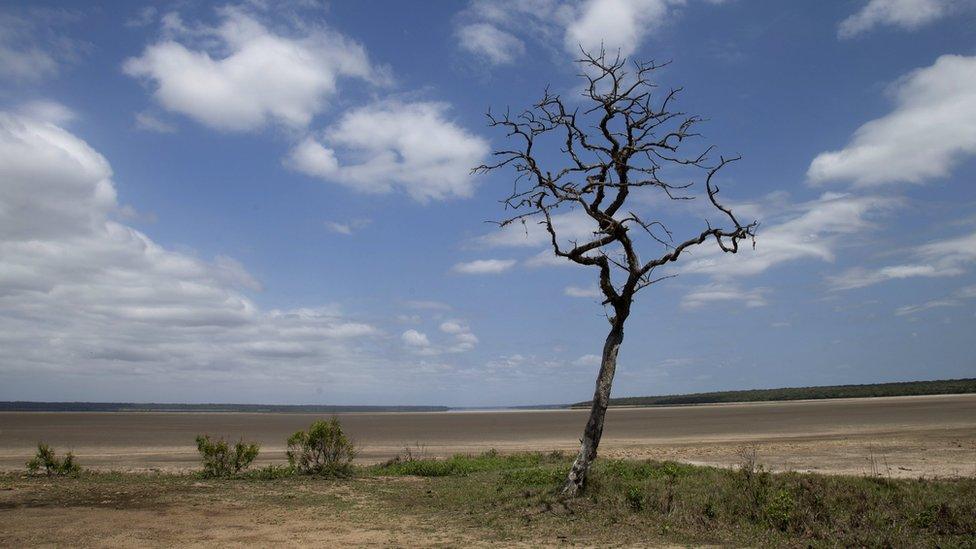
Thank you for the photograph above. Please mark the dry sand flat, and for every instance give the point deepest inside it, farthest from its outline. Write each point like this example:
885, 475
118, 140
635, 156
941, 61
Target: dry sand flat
898, 436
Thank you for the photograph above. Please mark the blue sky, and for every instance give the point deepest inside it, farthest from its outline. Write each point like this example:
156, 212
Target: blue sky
272, 203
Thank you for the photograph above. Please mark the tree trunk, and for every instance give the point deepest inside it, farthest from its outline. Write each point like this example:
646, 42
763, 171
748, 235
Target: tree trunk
601, 398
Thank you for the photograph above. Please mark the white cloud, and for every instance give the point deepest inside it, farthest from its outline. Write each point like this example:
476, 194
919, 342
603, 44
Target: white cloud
484, 266
569, 226
464, 340
931, 129
496, 29
391, 145
906, 14
615, 24
240, 75
413, 338
347, 228
807, 231
589, 292
339, 228
452, 327
461, 340
935, 259
724, 292
588, 360
83, 295
47, 111
496, 46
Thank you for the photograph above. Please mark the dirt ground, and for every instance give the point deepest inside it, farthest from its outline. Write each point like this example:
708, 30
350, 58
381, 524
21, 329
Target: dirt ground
921, 453
191, 513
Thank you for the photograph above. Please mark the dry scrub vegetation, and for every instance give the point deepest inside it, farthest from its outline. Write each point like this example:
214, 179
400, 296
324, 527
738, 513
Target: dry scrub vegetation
493, 499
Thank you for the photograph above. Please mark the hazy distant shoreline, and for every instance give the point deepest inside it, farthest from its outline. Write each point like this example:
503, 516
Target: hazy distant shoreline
904, 388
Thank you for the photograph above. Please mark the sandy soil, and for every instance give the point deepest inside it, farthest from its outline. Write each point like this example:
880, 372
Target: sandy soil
201, 514
897, 436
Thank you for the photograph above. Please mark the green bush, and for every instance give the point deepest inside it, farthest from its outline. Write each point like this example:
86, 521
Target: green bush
220, 461
53, 466
324, 449
636, 498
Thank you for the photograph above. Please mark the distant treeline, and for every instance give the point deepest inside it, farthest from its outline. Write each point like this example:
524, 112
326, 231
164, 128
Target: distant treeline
939, 387
21, 406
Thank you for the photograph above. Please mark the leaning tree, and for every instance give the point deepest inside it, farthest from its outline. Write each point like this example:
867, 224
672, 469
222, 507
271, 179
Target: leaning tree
621, 141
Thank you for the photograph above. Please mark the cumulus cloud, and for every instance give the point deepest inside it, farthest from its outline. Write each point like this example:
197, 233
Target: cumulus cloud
413, 338
931, 129
389, 145
941, 258
460, 339
492, 28
496, 46
241, 75
484, 266
463, 339
617, 25
452, 327
83, 295
906, 14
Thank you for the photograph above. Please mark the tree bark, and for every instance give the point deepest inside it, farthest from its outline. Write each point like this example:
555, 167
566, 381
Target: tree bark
576, 479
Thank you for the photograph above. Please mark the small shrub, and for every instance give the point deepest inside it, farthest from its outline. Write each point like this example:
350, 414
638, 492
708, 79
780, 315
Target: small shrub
220, 461
779, 510
636, 498
324, 449
756, 482
53, 466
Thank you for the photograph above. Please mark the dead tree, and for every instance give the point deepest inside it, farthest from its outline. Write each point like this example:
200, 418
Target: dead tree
624, 139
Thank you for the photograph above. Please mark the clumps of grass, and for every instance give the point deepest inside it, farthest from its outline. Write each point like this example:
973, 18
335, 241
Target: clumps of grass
463, 464
53, 466
271, 472
630, 501
220, 460
324, 449
752, 505
417, 452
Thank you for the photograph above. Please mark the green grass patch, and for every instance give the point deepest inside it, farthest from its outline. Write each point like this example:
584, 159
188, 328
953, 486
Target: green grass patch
463, 464
630, 501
